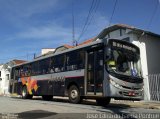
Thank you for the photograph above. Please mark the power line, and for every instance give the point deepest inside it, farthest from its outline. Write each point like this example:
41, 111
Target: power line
86, 19
113, 12
154, 12
90, 15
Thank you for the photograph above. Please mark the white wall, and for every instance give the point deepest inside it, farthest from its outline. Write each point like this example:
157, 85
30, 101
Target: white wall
153, 53
1, 80
44, 51
137, 40
4, 83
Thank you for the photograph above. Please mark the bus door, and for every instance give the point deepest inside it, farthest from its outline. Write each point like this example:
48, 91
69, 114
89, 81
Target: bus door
94, 72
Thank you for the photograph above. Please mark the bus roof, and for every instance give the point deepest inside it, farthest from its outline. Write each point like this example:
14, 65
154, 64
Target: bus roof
64, 51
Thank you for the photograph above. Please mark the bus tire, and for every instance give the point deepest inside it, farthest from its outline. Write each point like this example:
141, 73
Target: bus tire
25, 94
47, 97
103, 101
74, 95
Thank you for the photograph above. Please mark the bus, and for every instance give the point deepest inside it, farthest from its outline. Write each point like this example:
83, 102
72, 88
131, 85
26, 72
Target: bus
100, 70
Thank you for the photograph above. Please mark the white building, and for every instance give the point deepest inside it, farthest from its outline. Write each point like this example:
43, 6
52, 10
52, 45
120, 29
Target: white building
0, 79
47, 50
5, 75
149, 44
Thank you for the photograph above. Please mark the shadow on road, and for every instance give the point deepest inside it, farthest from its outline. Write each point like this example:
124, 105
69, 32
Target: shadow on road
35, 114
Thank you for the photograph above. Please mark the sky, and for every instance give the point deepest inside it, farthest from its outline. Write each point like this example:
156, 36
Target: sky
27, 26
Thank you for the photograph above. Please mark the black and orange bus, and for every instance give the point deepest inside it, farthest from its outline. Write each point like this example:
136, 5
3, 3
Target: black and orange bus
100, 70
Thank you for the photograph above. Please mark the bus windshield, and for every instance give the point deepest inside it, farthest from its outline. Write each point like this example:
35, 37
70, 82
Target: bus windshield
124, 60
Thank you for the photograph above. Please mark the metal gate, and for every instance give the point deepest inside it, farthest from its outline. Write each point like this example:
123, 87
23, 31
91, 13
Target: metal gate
154, 86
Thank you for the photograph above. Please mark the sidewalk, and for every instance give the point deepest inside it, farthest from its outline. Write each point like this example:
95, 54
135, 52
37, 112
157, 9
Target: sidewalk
139, 104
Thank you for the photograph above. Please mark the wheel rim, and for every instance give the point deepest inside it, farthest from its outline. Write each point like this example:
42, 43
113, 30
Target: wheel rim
24, 92
74, 94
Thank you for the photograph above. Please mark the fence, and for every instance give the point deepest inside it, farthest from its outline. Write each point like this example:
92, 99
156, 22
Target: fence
154, 87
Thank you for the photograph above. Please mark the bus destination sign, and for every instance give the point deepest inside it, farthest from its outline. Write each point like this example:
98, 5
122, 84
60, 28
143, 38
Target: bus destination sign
124, 46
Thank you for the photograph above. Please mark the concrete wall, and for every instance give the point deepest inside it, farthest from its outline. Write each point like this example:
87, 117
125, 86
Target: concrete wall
137, 40
4, 83
153, 53
45, 51
1, 80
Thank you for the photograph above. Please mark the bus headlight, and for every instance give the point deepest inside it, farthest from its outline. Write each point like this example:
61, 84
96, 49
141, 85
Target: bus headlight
115, 84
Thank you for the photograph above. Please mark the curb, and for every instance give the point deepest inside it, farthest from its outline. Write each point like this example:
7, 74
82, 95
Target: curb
145, 105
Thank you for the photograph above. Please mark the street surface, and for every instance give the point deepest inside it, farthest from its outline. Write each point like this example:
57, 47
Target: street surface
14, 107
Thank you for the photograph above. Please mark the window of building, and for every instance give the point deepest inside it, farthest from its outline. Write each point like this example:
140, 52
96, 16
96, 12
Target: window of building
122, 32
7, 76
115, 34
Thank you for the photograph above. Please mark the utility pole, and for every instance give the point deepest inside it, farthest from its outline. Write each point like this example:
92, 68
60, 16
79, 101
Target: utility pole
73, 31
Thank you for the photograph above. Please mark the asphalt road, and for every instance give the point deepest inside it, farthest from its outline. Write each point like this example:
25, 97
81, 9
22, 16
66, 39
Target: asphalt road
14, 108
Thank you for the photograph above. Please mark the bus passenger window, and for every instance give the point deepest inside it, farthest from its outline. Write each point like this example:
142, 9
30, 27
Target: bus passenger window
59, 63
75, 60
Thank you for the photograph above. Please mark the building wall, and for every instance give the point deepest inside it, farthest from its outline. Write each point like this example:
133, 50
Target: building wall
1, 79
153, 56
45, 51
150, 56
137, 40
4, 83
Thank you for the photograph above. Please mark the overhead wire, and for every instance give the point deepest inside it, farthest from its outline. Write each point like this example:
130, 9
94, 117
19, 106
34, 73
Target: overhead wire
92, 11
114, 8
153, 15
92, 17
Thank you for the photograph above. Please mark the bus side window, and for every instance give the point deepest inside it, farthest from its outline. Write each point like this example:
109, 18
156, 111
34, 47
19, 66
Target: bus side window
75, 60
71, 62
16, 73
35, 68
52, 65
81, 59
27, 69
59, 63
12, 73
21, 71
44, 66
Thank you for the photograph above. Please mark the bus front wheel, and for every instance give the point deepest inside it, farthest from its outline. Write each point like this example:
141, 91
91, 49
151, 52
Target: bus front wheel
25, 94
74, 94
103, 101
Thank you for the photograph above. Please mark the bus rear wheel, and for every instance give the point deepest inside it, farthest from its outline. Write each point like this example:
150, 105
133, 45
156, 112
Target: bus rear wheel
74, 95
25, 94
103, 101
